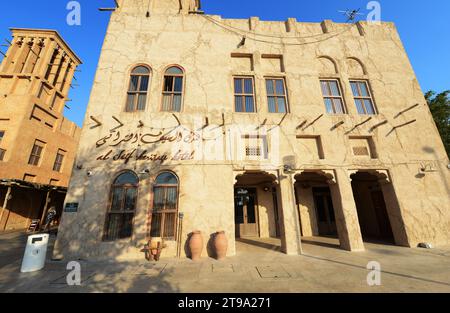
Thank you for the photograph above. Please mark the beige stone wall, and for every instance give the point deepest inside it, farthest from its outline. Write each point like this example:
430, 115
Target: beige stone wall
266, 214
203, 47
307, 211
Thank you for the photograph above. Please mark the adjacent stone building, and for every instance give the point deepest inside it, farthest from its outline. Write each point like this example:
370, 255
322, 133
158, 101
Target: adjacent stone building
256, 128
37, 143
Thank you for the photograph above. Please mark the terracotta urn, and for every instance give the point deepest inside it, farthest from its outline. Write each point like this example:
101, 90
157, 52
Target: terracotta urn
154, 242
154, 245
196, 245
221, 245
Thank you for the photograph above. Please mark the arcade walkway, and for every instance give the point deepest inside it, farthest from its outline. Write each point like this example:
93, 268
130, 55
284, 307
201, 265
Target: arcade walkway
258, 267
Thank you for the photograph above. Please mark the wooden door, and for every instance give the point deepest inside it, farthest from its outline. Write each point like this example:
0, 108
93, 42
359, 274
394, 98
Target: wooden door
245, 206
325, 212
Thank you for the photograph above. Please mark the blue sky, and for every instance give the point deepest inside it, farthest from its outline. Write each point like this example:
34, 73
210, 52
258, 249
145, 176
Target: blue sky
424, 28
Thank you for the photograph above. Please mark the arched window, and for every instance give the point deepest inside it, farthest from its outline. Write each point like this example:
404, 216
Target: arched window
165, 206
119, 219
137, 91
173, 89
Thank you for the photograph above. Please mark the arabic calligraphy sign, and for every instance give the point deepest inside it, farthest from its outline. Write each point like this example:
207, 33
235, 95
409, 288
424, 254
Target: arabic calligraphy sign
115, 140
181, 144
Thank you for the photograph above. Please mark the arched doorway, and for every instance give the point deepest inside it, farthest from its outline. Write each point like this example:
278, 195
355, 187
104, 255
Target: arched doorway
256, 207
316, 208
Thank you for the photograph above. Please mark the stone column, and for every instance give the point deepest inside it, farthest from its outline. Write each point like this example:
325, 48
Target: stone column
62, 72
142, 214
34, 56
8, 63
20, 54
69, 78
55, 67
4, 208
394, 213
290, 236
347, 222
44, 212
46, 54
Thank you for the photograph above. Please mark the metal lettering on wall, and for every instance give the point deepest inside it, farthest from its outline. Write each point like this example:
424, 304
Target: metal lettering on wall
142, 140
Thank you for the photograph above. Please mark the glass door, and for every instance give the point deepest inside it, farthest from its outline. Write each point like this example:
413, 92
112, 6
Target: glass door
245, 212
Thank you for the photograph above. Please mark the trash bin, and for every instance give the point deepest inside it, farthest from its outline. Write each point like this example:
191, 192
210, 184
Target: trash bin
35, 253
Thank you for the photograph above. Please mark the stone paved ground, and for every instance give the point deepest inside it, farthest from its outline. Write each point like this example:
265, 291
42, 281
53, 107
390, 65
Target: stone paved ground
258, 267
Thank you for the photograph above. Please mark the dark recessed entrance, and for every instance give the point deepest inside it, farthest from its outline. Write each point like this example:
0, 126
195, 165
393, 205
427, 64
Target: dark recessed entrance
316, 209
326, 221
372, 211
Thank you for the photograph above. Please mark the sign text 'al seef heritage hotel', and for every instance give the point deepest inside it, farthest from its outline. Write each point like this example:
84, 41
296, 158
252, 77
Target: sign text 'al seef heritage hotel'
260, 129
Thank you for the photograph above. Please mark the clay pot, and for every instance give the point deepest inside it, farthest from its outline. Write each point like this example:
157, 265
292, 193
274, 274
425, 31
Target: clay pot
220, 245
196, 245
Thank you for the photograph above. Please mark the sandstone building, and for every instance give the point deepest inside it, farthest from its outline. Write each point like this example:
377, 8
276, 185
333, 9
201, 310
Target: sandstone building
37, 143
259, 129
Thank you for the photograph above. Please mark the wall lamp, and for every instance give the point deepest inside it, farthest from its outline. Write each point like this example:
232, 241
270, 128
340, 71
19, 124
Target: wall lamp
288, 169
